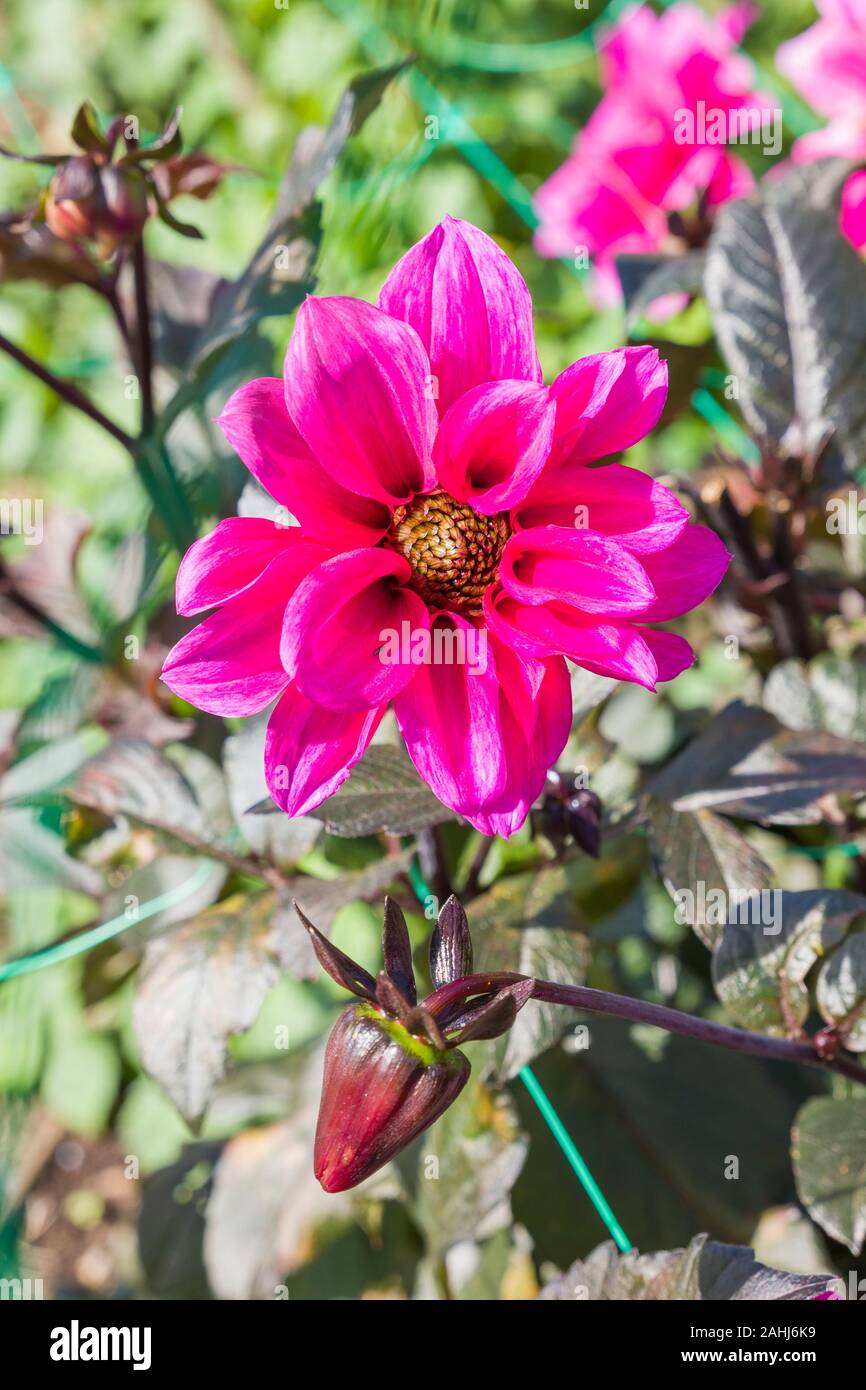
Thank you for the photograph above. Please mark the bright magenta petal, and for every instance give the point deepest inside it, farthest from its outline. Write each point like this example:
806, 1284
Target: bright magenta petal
853, 217
672, 653
535, 710
606, 403
470, 307
223, 564
608, 648
349, 630
357, 389
230, 663
616, 501
686, 573
256, 423
827, 63
309, 751
551, 564
494, 442
449, 718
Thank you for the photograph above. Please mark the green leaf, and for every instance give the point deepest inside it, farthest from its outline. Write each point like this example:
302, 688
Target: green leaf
699, 854
200, 983
528, 923
841, 990
50, 767
788, 296
132, 778
80, 1082
706, 1270
760, 966
32, 856
828, 693
746, 764
383, 793
828, 1149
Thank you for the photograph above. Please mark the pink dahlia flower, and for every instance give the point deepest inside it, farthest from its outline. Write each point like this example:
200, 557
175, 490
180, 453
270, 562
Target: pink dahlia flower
634, 162
827, 65
445, 497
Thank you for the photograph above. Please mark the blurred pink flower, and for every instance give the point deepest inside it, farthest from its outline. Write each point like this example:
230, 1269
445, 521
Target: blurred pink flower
442, 492
827, 65
633, 163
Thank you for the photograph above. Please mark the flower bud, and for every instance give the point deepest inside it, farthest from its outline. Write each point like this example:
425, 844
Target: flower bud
96, 202
382, 1087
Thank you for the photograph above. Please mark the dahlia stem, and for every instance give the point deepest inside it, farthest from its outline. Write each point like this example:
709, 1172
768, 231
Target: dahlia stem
431, 857
600, 1001
143, 335
66, 391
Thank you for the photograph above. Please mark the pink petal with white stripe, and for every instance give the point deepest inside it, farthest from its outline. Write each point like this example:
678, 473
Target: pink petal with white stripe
470, 307
357, 389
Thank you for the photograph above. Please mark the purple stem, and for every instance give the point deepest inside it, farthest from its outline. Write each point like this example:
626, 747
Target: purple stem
599, 1001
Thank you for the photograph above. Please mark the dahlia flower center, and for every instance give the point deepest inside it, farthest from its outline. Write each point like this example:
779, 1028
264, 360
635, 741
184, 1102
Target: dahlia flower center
454, 551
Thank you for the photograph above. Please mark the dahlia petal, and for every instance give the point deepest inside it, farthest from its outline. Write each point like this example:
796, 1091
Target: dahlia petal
672, 653
230, 663
310, 751
552, 564
620, 502
853, 217
608, 648
494, 442
450, 721
606, 403
535, 709
470, 307
256, 424
223, 564
579, 210
357, 388
333, 643
827, 63
686, 573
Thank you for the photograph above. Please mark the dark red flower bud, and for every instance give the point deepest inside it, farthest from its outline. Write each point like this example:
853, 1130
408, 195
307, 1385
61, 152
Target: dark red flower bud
391, 1065
102, 203
569, 810
382, 1087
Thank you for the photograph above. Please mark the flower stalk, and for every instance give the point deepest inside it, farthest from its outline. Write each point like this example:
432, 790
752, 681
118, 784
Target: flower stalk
656, 1015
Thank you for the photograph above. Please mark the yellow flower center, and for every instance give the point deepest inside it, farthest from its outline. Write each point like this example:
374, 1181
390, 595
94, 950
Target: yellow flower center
454, 551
